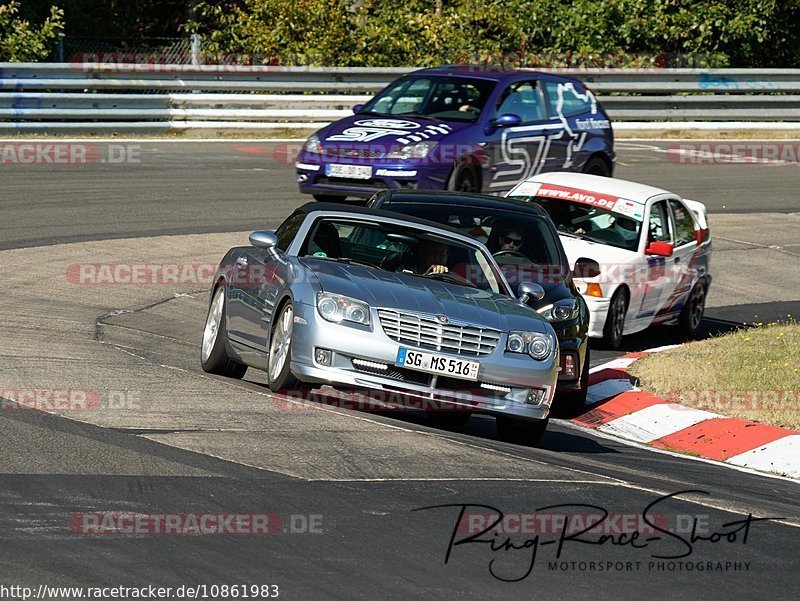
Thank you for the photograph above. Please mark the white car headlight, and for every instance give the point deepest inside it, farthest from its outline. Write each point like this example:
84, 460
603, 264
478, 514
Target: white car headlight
537, 345
420, 150
562, 310
313, 144
337, 308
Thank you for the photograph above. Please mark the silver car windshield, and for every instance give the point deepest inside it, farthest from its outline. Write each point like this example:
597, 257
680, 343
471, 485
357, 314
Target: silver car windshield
401, 249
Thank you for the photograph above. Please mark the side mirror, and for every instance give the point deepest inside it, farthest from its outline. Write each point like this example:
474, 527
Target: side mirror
508, 120
357, 108
660, 249
528, 290
586, 268
264, 239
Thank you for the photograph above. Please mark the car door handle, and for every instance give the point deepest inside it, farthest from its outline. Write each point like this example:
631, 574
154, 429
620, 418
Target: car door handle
241, 261
677, 259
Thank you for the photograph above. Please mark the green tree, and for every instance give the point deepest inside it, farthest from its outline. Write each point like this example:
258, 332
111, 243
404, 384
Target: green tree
738, 33
22, 42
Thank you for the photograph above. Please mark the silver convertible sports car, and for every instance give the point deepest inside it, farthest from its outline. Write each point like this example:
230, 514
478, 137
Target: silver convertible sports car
364, 299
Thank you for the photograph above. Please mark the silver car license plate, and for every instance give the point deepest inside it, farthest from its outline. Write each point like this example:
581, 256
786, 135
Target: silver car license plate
438, 364
349, 171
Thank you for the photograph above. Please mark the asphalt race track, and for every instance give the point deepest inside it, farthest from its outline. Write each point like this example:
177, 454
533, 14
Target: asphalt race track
190, 187
350, 493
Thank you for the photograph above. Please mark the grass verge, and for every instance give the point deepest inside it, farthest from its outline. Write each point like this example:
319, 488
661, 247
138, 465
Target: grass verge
750, 374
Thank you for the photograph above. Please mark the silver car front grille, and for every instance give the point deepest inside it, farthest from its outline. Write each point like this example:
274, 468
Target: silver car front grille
425, 331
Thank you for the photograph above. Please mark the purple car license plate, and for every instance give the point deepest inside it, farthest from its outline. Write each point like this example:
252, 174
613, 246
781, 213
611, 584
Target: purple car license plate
349, 171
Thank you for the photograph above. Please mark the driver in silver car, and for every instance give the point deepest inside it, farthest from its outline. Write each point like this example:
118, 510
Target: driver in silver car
432, 257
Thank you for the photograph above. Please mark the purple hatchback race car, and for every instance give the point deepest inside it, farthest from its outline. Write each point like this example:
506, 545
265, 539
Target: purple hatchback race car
459, 127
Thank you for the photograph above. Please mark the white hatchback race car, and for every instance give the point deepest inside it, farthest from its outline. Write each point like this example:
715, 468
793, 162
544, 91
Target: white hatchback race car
652, 248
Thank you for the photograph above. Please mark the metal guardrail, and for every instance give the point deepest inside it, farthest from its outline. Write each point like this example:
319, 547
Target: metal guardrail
106, 96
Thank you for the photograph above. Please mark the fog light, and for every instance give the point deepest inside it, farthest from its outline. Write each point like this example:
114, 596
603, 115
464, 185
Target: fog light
323, 356
568, 368
535, 396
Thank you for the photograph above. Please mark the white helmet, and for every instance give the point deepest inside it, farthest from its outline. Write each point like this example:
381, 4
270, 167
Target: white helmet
627, 228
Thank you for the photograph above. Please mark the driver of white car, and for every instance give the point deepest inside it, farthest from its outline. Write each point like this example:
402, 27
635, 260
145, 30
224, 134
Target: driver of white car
626, 228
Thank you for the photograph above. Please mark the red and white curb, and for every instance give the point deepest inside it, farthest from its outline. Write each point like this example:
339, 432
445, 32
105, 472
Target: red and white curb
618, 408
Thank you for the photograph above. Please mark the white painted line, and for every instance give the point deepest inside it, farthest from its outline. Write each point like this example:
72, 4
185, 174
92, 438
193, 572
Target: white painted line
659, 349
780, 456
703, 140
621, 363
607, 389
467, 479
168, 140
653, 422
704, 125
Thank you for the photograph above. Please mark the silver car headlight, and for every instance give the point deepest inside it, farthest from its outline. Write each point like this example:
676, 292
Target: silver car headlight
537, 345
420, 150
313, 144
337, 308
562, 310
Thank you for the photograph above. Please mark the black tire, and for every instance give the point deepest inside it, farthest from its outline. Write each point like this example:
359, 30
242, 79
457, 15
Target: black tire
448, 419
280, 348
692, 315
615, 320
597, 166
217, 360
329, 198
464, 179
521, 431
571, 402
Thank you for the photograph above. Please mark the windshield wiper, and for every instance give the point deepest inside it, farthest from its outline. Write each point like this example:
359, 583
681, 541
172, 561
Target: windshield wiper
432, 118
450, 279
346, 261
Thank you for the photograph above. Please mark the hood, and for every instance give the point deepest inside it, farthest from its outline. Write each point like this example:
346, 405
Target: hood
364, 130
604, 254
386, 289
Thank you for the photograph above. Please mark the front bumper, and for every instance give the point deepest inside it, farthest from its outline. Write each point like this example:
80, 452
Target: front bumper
598, 311
573, 342
386, 175
522, 387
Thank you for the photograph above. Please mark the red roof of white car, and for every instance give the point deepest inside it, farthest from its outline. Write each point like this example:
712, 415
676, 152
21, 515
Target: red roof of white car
609, 186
